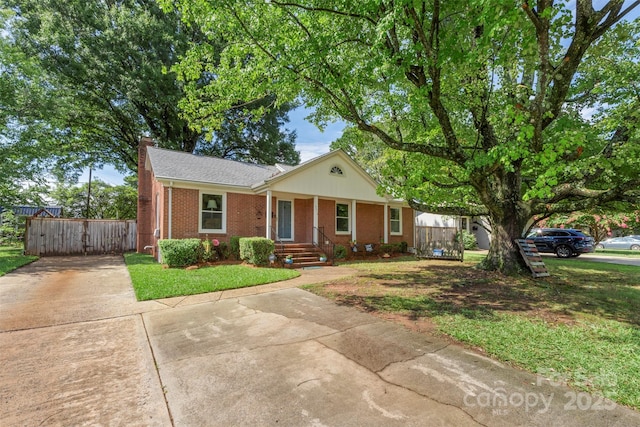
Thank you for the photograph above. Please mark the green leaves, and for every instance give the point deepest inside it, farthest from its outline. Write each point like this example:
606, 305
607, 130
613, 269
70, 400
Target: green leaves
486, 102
105, 201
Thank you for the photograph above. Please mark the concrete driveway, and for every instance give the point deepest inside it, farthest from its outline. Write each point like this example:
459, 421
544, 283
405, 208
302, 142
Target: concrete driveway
77, 349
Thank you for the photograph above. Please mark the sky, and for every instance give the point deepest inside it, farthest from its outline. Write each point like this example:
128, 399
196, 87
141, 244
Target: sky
310, 142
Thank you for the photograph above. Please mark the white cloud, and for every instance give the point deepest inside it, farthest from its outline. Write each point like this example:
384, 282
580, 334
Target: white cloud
311, 141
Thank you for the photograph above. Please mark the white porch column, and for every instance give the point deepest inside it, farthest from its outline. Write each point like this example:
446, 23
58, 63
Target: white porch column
268, 215
353, 220
315, 220
386, 223
170, 215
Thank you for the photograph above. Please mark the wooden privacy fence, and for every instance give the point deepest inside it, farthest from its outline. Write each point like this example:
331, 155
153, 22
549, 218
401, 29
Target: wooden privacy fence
439, 243
57, 236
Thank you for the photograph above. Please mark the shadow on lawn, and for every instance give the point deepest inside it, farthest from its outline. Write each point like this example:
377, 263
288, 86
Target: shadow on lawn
413, 307
606, 300
448, 289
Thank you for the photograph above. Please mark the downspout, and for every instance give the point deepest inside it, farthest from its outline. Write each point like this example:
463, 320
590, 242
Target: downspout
170, 208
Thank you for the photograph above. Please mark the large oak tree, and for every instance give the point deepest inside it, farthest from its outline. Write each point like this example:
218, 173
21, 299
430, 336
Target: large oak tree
82, 81
505, 109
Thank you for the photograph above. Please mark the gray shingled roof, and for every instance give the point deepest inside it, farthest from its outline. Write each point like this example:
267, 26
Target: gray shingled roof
53, 211
176, 165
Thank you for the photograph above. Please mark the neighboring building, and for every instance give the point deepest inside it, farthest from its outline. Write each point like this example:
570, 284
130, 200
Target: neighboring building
182, 195
478, 226
481, 228
33, 211
13, 229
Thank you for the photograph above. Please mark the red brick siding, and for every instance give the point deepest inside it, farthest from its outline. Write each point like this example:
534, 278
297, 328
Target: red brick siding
184, 213
303, 220
407, 228
370, 223
245, 215
145, 208
327, 220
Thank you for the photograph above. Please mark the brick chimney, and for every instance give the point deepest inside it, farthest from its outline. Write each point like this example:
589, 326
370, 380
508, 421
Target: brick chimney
145, 198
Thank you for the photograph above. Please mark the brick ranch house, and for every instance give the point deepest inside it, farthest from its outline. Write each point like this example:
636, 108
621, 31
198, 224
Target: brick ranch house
329, 199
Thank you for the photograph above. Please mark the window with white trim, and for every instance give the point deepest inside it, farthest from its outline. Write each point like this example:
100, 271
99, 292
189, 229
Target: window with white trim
343, 221
395, 219
212, 212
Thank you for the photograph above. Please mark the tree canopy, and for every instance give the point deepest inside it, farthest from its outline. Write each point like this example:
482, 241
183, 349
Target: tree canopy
104, 201
256, 138
504, 109
82, 81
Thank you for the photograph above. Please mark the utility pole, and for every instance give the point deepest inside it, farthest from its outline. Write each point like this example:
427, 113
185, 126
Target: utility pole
88, 195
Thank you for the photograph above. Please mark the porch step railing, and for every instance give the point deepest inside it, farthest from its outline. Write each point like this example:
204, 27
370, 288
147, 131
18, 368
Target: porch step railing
276, 239
324, 243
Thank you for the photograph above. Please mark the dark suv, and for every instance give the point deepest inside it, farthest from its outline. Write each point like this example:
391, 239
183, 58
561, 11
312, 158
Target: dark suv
564, 242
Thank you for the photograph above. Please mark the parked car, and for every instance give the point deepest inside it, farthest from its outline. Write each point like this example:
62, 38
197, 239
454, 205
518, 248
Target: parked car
628, 242
564, 242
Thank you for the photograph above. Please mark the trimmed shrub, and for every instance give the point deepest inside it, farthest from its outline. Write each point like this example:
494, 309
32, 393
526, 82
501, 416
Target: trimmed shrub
387, 248
469, 240
404, 246
234, 244
256, 250
180, 252
223, 251
339, 252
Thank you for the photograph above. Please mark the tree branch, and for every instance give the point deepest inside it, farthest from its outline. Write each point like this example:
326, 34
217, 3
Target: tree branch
321, 9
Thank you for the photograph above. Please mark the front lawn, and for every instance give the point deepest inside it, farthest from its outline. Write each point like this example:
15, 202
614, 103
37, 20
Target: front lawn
152, 281
580, 326
11, 258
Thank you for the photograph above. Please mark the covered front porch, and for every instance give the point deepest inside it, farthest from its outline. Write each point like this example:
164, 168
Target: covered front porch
296, 219
319, 224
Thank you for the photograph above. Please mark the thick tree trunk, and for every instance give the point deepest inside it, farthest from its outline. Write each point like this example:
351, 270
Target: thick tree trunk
509, 216
504, 255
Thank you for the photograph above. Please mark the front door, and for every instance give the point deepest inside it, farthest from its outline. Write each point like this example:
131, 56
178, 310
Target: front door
285, 220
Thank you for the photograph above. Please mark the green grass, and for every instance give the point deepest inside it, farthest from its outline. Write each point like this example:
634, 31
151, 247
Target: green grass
474, 256
152, 281
618, 252
596, 355
581, 326
11, 258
